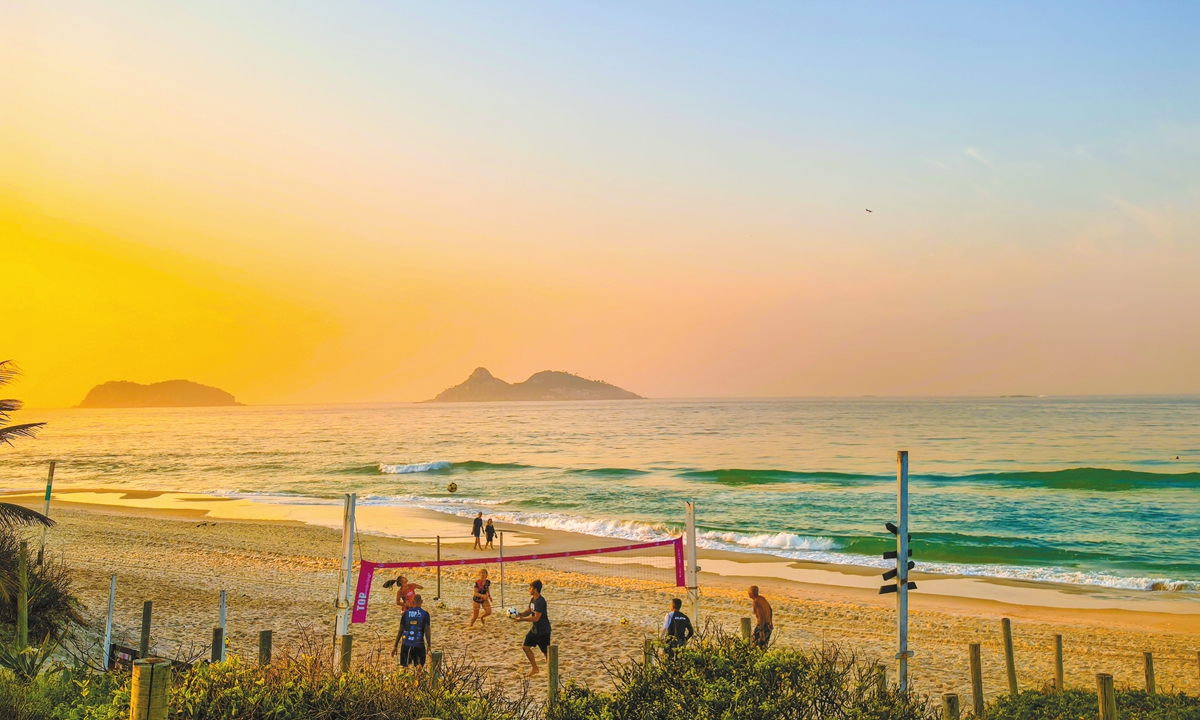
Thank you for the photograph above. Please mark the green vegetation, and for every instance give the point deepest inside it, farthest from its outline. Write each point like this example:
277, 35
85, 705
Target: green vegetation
1080, 704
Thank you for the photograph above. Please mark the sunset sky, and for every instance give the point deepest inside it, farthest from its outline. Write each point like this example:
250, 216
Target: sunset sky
346, 203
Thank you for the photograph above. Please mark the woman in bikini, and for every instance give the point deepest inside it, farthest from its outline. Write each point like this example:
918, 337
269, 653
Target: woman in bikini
405, 591
481, 597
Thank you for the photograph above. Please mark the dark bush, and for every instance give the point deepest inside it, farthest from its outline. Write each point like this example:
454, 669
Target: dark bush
1079, 704
52, 606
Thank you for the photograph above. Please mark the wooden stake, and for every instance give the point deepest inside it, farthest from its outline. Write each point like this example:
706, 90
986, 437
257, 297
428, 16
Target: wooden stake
976, 680
221, 622
264, 647
1058, 664
1148, 666
435, 668
1107, 696
23, 597
881, 679
112, 597
746, 629
144, 643
148, 693
218, 644
1010, 664
347, 651
46, 512
552, 661
647, 652
950, 709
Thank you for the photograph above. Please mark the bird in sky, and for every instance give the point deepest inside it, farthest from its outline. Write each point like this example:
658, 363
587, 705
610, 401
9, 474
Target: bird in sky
870, 210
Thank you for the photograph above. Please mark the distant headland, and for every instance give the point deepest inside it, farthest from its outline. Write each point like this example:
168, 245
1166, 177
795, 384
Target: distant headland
171, 393
482, 386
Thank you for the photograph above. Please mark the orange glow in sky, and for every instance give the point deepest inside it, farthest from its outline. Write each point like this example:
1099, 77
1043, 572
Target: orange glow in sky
365, 204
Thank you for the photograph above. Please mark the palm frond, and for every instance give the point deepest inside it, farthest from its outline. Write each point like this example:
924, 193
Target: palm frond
12, 515
26, 430
7, 407
8, 371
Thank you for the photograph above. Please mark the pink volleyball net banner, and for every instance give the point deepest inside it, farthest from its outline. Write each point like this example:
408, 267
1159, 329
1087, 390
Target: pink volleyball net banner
366, 572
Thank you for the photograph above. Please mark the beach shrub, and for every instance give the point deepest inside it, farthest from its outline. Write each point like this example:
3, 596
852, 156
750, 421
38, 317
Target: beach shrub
52, 604
1078, 704
718, 677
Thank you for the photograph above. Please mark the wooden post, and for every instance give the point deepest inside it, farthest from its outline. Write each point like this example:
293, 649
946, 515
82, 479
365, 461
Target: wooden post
746, 629
976, 680
950, 709
23, 597
1148, 665
435, 668
221, 622
345, 592
46, 512
144, 643
1010, 663
218, 644
1107, 696
552, 661
264, 647
347, 652
148, 694
1058, 664
647, 652
881, 679
439, 568
691, 571
107, 648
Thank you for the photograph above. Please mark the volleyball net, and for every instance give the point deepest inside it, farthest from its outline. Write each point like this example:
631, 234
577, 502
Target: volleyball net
648, 565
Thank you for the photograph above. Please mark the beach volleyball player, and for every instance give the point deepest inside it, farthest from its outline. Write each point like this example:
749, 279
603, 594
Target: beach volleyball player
538, 635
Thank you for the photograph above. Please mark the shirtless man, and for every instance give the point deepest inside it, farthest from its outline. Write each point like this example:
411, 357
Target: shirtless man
763, 619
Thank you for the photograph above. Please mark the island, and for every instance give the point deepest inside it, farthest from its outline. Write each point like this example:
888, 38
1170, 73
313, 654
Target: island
171, 393
482, 386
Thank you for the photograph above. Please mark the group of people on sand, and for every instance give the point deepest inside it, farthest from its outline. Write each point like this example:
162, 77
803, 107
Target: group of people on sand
414, 636
480, 530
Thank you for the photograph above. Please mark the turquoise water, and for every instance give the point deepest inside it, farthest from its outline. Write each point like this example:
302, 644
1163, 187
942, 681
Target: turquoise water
1078, 490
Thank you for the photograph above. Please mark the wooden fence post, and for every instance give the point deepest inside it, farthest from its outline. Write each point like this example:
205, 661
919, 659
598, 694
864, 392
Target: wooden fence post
264, 647
552, 660
881, 679
1058, 664
746, 629
435, 668
647, 652
347, 651
148, 694
1148, 666
1107, 696
1010, 663
218, 644
976, 680
144, 644
950, 709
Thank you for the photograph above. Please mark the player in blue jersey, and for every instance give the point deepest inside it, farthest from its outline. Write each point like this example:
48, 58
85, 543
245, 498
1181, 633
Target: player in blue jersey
414, 637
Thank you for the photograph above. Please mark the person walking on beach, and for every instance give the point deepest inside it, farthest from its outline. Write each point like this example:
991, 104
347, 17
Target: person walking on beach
405, 591
481, 598
490, 531
477, 530
538, 635
677, 628
763, 619
414, 636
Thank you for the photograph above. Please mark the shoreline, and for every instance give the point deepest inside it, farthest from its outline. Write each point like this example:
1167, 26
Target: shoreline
181, 550
423, 526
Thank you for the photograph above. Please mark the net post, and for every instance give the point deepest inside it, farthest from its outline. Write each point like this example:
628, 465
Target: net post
345, 588
46, 512
112, 598
439, 568
502, 568
902, 568
692, 571
221, 623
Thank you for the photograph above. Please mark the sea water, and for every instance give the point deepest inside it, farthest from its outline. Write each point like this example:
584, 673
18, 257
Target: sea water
1095, 491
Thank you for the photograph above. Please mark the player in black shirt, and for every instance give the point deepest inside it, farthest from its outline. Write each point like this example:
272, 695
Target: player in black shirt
477, 530
677, 628
538, 635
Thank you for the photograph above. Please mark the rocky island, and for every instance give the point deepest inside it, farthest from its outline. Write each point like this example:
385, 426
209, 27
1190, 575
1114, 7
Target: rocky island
482, 386
171, 393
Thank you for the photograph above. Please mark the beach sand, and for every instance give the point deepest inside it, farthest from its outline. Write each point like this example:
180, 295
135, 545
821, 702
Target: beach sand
279, 565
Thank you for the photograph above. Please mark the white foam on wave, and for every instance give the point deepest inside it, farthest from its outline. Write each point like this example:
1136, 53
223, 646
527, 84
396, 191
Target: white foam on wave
768, 541
414, 467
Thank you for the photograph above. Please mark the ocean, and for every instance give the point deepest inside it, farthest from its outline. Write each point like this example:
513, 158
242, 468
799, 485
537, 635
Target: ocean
1090, 491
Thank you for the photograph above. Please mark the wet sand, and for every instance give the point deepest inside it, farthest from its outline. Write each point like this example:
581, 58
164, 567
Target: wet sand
279, 565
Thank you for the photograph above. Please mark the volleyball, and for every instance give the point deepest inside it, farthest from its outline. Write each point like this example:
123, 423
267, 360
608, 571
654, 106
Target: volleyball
452, 487
624, 621
513, 613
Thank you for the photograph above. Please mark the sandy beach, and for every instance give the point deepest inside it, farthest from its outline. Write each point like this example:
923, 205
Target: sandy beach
278, 564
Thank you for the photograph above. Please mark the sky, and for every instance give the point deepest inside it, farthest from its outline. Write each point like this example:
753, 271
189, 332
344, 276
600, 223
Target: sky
362, 202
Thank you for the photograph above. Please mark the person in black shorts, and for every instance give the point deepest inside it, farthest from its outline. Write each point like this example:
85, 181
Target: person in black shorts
414, 637
490, 531
538, 635
477, 530
677, 628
